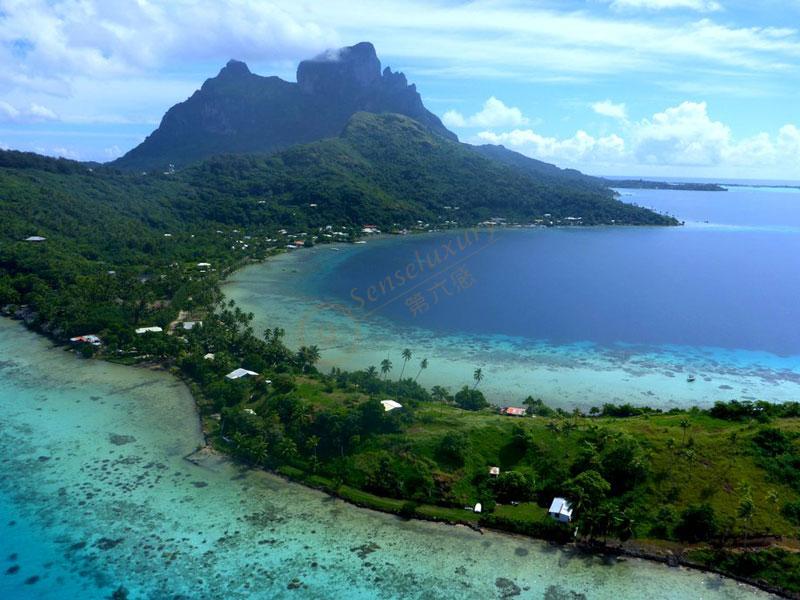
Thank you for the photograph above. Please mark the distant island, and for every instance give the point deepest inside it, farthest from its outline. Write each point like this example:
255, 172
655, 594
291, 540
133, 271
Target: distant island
645, 184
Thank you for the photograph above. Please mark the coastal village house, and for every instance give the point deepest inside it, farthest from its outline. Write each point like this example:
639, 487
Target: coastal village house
239, 373
87, 339
512, 411
560, 510
142, 330
389, 405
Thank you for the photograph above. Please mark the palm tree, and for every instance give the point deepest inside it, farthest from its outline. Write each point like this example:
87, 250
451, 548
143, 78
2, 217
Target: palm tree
313, 355
386, 366
406, 354
307, 356
440, 394
553, 426
747, 508
684, 425
422, 366
477, 376
372, 371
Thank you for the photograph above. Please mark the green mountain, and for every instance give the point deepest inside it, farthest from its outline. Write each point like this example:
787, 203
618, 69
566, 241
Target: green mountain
390, 170
240, 112
537, 168
386, 169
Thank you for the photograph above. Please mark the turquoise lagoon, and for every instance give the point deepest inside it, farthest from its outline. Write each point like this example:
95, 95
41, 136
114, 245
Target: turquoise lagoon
577, 317
95, 492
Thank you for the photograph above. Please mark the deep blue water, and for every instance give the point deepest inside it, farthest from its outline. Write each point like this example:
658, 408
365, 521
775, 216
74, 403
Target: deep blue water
728, 279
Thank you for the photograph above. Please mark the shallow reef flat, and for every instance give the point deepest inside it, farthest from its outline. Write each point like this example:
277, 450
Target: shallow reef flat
293, 291
95, 493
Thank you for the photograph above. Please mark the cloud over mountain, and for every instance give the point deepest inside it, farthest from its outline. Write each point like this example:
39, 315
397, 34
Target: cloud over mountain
684, 135
493, 114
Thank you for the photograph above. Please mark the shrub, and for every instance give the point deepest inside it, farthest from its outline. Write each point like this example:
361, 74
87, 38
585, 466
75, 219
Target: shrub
772, 442
283, 384
791, 510
470, 399
452, 449
698, 523
512, 485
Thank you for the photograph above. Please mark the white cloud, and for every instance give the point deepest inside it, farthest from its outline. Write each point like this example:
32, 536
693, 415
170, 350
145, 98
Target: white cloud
526, 37
493, 114
580, 148
32, 114
61, 39
697, 5
8, 112
112, 152
608, 109
42, 113
451, 118
64, 152
66, 38
682, 136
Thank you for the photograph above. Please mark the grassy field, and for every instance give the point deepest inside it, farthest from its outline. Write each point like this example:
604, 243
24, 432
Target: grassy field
715, 489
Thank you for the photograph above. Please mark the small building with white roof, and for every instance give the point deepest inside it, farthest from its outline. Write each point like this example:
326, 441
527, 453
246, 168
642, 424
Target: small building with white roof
239, 373
389, 405
87, 339
560, 510
154, 329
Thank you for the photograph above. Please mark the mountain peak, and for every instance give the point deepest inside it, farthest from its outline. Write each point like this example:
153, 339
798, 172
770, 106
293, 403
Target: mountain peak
358, 65
239, 112
234, 68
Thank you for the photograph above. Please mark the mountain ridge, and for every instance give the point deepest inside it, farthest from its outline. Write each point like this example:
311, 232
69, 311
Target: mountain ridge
241, 112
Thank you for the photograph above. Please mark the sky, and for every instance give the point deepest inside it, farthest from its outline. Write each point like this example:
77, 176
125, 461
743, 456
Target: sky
669, 88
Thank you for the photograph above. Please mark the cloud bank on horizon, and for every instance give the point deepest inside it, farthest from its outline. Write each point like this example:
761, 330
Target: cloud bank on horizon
634, 87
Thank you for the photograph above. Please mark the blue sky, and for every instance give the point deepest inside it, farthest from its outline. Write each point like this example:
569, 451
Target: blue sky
694, 88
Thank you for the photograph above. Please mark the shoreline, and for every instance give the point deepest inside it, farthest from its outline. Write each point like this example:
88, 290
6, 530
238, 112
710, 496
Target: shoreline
566, 375
669, 559
643, 551
640, 551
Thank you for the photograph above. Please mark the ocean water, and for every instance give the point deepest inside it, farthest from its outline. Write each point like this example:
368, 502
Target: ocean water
576, 316
95, 493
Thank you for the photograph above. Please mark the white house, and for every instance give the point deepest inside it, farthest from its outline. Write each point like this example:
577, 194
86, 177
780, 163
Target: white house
87, 339
250, 411
142, 330
478, 508
35, 238
494, 471
209, 356
390, 405
189, 325
560, 510
239, 373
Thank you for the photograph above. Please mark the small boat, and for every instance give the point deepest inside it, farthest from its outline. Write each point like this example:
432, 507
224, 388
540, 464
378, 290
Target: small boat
691, 378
